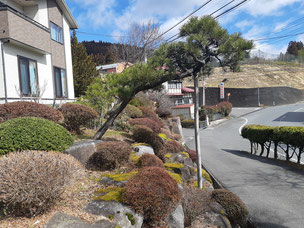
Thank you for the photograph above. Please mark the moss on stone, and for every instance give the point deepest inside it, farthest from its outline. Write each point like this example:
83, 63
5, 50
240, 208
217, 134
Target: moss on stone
134, 157
140, 144
185, 154
172, 166
111, 217
176, 177
206, 176
131, 218
163, 136
111, 194
121, 176
168, 155
118, 226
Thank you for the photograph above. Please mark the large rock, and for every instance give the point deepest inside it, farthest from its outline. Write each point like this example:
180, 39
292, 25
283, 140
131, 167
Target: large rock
117, 212
62, 220
210, 220
140, 150
176, 219
83, 150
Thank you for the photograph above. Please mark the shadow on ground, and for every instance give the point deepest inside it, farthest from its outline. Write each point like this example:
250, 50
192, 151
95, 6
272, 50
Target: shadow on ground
291, 117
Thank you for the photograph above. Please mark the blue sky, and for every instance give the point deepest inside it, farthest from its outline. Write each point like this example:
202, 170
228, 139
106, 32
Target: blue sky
256, 19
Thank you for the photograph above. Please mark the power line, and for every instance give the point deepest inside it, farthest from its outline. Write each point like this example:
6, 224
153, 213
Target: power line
183, 19
220, 15
222, 7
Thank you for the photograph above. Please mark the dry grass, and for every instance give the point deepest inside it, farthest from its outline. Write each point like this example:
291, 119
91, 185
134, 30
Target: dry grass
260, 75
71, 202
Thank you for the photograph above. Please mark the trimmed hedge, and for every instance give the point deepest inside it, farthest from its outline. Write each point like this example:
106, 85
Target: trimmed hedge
149, 160
148, 122
266, 136
188, 123
146, 135
109, 155
224, 108
31, 133
154, 193
235, 209
163, 112
77, 115
29, 109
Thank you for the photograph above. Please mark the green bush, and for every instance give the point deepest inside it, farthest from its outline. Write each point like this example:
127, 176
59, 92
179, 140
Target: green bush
137, 102
154, 193
235, 209
132, 111
31, 133
188, 123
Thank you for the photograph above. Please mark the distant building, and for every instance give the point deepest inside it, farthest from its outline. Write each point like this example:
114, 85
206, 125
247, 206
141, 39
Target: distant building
113, 68
182, 98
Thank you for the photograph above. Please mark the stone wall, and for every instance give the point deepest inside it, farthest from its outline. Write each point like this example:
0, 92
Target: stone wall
249, 97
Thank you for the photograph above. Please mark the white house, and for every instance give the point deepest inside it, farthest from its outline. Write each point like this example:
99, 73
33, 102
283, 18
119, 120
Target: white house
181, 97
35, 51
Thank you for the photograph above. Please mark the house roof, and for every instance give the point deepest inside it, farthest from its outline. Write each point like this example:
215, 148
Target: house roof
67, 13
183, 106
175, 94
187, 90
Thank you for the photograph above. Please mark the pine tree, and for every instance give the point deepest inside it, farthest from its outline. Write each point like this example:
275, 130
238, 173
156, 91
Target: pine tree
84, 69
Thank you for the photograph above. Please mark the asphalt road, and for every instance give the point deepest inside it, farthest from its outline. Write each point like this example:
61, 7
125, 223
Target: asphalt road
273, 193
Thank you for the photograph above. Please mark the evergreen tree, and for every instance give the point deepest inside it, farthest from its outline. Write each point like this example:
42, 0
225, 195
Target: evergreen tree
84, 69
294, 47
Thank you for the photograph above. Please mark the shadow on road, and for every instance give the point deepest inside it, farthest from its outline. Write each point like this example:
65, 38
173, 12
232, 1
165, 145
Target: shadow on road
291, 117
269, 161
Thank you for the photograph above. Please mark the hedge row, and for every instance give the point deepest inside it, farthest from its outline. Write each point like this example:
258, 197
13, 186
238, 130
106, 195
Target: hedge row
224, 108
289, 139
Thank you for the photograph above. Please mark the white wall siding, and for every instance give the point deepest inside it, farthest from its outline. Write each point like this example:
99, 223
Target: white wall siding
2, 94
12, 71
68, 58
43, 17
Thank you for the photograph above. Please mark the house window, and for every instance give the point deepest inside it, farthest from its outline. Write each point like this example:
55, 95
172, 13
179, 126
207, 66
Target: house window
60, 82
28, 77
56, 33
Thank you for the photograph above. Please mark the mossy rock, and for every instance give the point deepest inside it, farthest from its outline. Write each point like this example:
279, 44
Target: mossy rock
121, 176
109, 194
176, 177
163, 136
185, 154
168, 155
133, 157
205, 175
172, 166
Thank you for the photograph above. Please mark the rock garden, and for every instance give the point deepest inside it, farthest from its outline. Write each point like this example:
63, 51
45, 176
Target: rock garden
54, 175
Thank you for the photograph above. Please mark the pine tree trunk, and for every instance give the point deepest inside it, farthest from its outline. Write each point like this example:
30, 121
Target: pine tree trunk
113, 115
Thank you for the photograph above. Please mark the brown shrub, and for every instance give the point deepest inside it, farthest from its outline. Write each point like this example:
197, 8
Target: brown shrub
173, 146
163, 112
77, 115
148, 122
152, 192
167, 133
149, 113
192, 155
148, 160
31, 181
195, 202
235, 209
109, 155
28, 109
146, 135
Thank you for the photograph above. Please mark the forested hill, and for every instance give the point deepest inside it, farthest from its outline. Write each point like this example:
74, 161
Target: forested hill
102, 52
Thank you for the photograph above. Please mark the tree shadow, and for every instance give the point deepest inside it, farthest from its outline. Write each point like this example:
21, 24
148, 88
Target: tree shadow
291, 117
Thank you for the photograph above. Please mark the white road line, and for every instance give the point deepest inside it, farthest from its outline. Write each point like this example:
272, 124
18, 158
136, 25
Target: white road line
246, 121
299, 109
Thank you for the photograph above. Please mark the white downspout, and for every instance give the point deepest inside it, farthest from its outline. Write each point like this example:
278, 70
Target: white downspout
3, 67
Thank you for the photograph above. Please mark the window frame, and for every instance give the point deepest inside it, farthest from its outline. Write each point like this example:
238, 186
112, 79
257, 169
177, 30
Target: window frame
28, 80
58, 28
61, 95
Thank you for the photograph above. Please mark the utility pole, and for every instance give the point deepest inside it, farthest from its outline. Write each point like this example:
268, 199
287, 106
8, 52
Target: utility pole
197, 138
204, 90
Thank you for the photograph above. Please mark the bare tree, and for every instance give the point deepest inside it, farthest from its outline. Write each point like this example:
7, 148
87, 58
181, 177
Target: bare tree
139, 43
37, 93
